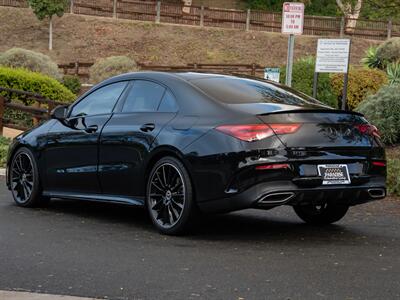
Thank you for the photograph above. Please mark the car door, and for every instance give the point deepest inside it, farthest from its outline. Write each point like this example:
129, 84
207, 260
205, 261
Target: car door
129, 135
72, 145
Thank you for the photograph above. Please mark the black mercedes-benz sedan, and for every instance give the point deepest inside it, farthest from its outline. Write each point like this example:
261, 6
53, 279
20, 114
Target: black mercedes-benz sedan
183, 143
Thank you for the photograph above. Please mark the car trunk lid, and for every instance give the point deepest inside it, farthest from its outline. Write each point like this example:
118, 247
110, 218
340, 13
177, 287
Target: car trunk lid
323, 129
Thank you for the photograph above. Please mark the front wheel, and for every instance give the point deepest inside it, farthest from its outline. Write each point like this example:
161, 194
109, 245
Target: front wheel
24, 179
321, 214
169, 197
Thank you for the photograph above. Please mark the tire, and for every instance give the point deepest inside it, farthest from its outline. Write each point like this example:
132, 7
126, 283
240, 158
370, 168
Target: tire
321, 214
25, 179
169, 197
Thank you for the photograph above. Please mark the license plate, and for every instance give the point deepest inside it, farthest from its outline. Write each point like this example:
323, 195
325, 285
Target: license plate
334, 174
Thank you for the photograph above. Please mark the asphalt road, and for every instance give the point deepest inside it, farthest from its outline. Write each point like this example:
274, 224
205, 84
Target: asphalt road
99, 250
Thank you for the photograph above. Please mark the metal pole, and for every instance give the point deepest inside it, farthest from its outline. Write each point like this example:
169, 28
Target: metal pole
346, 82
202, 16
158, 15
389, 29
71, 7
2, 108
344, 95
289, 64
342, 24
315, 85
115, 9
248, 20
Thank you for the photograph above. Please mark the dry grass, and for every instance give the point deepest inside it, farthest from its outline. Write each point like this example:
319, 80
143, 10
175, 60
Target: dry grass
88, 38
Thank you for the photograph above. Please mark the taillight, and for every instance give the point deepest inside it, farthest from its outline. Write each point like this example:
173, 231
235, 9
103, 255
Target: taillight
256, 132
379, 163
368, 129
273, 167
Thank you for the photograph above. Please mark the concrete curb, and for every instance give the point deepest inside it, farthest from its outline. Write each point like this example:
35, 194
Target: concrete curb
5, 295
2, 172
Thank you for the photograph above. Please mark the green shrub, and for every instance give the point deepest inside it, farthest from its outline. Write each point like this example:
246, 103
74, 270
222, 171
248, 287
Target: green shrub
4, 143
383, 110
393, 175
28, 81
371, 59
389, 51
393, 73
302, 80
72, 83
30, 60
111, 66
24, 80
362, 82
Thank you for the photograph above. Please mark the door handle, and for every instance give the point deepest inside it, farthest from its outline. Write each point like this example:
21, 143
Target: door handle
147, 127
91, 129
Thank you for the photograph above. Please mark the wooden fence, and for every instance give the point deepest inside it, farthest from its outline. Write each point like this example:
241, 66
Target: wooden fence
81, 69
13, 100
162, 12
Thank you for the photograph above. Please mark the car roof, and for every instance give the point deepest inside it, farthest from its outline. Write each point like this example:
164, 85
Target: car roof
159, 75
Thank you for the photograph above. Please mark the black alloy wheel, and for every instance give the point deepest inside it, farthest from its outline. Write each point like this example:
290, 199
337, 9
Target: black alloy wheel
24, 179
169, 196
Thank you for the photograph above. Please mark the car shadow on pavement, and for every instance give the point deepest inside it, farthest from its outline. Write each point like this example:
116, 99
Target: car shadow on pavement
278, 225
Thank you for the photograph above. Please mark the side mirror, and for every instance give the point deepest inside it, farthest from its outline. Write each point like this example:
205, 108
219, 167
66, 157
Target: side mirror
59, 113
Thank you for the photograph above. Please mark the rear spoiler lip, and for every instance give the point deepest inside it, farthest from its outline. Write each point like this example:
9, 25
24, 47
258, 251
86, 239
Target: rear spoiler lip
314, 110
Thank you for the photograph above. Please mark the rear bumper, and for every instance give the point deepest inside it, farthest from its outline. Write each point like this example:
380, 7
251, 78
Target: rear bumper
275, 193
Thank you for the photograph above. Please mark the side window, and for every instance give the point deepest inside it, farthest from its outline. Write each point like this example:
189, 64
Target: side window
168, 103
143, 96
101, 101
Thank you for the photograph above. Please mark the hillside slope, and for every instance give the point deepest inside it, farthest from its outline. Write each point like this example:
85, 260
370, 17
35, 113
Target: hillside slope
88, 38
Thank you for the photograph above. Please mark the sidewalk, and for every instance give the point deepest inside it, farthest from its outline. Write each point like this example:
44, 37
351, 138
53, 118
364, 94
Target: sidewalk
5, 295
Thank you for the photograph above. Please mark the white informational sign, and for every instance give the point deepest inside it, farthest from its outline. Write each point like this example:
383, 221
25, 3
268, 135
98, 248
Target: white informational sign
272, 74
293, 18
333, 56
186, 7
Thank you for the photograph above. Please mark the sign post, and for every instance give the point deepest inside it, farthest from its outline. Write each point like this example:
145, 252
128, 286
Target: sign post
333, 56
292, 24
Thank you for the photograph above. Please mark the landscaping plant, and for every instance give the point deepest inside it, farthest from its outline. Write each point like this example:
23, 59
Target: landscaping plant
20, 79
30, 60
362, 83
72, 83
388, 52
302, 80
383, 110
393, 73
4, 143
111, 66
371, 59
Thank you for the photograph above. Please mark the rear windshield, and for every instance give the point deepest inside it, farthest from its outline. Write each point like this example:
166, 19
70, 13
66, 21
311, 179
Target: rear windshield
242, 90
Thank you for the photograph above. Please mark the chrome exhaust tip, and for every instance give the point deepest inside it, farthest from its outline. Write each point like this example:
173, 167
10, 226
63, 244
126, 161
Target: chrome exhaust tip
276, 198
377, 193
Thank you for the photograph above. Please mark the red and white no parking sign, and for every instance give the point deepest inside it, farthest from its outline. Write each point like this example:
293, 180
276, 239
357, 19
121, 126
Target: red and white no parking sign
293, 18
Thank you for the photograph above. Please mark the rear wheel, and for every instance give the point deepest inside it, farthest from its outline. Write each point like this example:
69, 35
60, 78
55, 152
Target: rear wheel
24, 179
321, 214
169, 197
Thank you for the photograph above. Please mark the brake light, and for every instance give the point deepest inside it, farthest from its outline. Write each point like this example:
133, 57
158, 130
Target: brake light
273, 167
379, 164
368, 129
256, 132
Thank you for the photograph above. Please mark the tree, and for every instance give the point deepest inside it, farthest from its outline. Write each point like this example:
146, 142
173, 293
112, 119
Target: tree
351, 12
47, 9
379, 9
